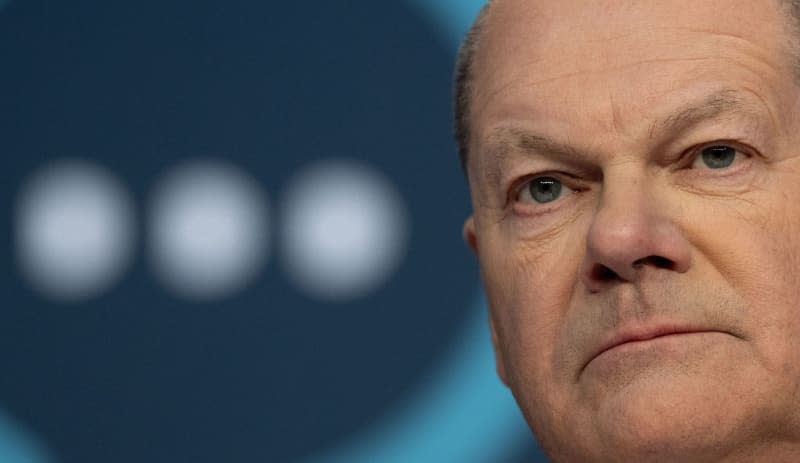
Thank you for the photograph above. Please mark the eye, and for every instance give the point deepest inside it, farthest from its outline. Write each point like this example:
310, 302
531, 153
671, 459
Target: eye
543, 190
716, 157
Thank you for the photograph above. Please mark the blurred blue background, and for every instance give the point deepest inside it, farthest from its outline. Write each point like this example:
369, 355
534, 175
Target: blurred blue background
232, 234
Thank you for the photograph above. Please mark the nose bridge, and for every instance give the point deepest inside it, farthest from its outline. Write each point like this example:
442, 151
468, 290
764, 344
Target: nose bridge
623, 208
631, 228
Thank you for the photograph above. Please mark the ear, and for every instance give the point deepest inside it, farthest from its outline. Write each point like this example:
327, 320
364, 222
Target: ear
500, 365
468, 233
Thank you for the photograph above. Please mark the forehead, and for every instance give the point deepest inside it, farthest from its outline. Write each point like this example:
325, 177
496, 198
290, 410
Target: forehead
616, 60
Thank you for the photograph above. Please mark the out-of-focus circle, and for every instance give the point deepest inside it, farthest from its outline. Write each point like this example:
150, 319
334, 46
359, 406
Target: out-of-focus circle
74, 230
208, 230
345, 230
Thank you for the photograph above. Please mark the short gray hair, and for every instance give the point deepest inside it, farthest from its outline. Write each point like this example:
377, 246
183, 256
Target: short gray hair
463, 80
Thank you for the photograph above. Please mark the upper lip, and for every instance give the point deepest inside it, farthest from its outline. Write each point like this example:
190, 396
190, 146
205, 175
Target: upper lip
643, 333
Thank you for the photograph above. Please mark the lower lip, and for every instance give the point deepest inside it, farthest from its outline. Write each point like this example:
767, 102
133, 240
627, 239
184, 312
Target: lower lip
659, 348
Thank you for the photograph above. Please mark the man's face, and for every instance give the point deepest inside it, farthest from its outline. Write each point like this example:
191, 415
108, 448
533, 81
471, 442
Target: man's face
635, 181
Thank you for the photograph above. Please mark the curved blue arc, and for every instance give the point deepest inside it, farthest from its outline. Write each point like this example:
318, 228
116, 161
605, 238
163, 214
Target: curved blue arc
464, 414
451, 16
17, 445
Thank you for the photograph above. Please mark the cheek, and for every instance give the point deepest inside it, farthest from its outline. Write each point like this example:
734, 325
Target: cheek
530, 287
756, 252
774, 292
770, 248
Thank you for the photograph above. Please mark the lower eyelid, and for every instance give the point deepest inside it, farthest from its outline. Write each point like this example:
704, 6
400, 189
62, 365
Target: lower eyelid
534, 211
740, 163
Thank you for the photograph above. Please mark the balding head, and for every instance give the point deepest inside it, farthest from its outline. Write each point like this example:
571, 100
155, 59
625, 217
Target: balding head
464, 70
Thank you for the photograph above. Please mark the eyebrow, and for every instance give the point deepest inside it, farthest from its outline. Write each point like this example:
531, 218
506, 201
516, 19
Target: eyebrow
504, 141
711, 107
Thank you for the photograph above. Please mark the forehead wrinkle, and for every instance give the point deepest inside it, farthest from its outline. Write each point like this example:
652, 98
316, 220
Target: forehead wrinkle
521, 79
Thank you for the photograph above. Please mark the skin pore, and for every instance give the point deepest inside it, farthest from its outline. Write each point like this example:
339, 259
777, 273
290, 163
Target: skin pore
635, 177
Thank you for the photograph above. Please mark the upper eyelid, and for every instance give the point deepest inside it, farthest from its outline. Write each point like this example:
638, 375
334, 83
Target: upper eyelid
518, 186
566, 179
741, 147
690, 156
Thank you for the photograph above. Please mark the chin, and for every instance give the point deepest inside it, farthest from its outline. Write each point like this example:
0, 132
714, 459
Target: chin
681, 419
653, 419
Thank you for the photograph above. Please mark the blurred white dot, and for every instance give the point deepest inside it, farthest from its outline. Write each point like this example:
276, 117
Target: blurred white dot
74, 229
345, 230
208, 230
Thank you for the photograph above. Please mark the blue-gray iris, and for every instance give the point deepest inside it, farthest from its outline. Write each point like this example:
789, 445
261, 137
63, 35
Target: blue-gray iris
545, 189
718, 157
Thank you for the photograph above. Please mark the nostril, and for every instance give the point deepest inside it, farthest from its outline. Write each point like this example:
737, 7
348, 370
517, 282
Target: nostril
603, 273
656, 261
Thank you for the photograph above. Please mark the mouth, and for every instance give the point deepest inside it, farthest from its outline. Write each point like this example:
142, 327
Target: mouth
641, 336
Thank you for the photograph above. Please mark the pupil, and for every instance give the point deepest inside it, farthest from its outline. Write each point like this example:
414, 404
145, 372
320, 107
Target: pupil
545, 189
717, 157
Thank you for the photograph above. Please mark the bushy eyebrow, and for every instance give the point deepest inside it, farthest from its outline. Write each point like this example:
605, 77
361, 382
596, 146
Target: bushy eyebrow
503, 141
713, 106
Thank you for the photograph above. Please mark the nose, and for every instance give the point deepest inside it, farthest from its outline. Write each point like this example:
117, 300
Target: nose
631, 229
